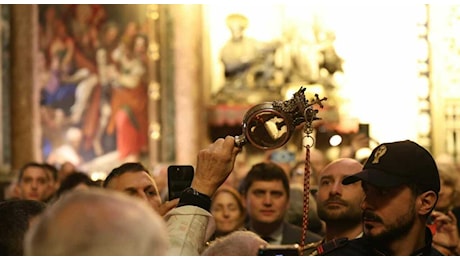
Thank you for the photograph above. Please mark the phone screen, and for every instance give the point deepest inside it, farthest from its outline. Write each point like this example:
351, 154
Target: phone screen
279, 250
179, 178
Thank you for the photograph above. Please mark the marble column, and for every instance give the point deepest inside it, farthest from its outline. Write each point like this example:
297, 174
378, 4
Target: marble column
182, 74
25, 127
188, 83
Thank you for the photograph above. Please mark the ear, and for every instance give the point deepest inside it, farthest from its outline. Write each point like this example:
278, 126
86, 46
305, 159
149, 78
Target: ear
17, 192
426, 202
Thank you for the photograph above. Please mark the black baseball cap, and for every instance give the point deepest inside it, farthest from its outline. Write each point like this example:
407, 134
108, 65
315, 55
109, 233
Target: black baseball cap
397, 163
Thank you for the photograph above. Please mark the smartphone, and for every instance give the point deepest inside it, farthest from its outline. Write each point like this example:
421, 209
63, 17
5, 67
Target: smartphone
363, 129
279, 250
179, 178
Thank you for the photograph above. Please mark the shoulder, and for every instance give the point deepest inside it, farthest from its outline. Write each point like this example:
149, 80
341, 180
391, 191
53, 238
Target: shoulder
294, 228
329, 246
344, 246
311, 248
295, 231
290, 228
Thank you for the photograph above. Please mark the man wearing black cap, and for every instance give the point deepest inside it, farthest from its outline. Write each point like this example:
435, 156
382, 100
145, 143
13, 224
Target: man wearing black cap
401, 185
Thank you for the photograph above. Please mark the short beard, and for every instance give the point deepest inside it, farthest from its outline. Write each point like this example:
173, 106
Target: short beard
394, 232
350, 216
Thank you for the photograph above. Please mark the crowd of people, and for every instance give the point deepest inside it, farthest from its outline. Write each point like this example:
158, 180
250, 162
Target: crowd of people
93, 80
400, 201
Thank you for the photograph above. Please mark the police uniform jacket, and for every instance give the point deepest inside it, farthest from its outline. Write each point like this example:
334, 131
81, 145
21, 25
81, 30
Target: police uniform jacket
363, 247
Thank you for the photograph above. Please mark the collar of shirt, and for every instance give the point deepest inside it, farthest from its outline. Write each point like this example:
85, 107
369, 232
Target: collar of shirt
276, 236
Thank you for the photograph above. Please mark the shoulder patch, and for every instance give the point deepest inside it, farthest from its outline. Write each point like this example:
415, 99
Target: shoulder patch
310, 249
331, 245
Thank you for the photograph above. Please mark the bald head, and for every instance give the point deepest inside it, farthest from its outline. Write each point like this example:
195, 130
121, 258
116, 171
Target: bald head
339, 205
347, 166
97, 222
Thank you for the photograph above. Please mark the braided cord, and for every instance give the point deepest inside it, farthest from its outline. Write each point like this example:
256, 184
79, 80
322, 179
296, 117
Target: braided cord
306, 198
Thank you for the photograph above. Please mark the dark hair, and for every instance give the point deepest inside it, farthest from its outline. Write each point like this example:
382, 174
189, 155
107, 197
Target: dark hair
74, 179
265, 171
15, 216
122, 169
52, 169
29, 165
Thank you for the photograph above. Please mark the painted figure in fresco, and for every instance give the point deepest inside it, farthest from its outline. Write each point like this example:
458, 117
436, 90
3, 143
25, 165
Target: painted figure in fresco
69, 86
129, 102
68, 151
93, 84
107, 72
47, 27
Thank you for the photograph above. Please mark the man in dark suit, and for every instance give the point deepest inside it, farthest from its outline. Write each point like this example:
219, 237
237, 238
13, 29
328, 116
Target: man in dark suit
265, 191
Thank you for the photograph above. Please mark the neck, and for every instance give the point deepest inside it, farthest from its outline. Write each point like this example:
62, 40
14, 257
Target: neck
340, 229
220, 233
264, 229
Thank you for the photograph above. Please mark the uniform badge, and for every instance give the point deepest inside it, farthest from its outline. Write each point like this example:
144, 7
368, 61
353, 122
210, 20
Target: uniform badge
379, 153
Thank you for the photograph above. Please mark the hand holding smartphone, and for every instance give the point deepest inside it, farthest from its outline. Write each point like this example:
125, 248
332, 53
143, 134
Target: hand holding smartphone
179, 178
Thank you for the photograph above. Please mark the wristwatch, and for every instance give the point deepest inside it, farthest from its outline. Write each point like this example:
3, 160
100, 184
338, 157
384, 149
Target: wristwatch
191, 197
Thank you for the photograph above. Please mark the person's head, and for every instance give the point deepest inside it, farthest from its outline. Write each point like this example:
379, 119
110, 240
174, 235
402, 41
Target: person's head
97, 222
140, 43
135, 180
228, 210
11, 191
75, 181
238, 243
237, 23
52, 173
401, 185
66, 169
15, 219
338, 203
33, 182
448, 194
110, 33
265, 193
